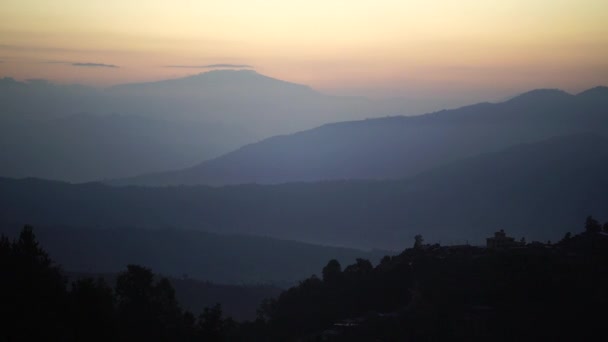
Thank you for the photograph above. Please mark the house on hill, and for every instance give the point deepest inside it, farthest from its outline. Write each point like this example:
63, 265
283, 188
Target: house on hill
501, 240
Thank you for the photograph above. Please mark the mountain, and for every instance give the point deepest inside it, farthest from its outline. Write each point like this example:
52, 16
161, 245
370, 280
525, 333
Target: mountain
397, 147
214, 83
223, 259
39, 100
77, 133
597, 94
89, 147
264, 105
537, 190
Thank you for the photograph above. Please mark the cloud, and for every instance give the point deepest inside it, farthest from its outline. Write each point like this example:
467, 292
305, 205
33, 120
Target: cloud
82, 64
210, 66
94, 65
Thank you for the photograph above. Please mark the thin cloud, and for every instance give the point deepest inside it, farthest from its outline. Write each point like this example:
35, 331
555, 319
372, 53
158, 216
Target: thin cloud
82, 64
94, 65
210, 66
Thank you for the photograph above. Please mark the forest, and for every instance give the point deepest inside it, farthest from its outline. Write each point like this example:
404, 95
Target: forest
429, 292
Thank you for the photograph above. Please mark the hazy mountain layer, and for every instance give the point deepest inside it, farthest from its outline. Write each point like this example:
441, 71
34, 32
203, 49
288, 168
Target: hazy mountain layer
224, 259
77, 133
92, 147
535, 190
398, 147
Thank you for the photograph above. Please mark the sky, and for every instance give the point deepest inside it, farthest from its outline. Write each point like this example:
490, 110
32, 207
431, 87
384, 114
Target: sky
462, 49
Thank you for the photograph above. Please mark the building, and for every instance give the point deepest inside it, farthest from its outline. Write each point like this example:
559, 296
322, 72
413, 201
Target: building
501, 240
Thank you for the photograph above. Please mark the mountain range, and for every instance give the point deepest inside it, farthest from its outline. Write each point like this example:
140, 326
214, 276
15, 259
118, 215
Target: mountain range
181, 253
397, 147
535, 190
79, 133
221, 127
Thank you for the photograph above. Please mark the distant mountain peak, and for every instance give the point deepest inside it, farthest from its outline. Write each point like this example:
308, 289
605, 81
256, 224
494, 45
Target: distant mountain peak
540, 94
10, 82
229, 71
224, 78
595, 91
230, 75
8, 79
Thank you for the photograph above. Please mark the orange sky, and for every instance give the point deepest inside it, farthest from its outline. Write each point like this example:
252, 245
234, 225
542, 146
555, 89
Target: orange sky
378, 48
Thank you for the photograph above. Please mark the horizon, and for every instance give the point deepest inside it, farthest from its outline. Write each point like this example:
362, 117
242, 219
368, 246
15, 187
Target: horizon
454, 51
419, 109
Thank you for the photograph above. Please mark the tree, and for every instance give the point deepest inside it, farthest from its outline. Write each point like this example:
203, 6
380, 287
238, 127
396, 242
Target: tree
147, 310
37, 306
592, 225
566, 237
418, 241
92, 310
33, 306
211, 324
386, 260
332, 272
360, 267
605, 227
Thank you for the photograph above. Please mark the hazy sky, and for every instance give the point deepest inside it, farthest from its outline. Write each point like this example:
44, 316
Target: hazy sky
376, 47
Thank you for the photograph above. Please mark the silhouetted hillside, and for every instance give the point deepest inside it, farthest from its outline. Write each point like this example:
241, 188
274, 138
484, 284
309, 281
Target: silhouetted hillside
527, 292
537, 190
138, 305
516, 292
398, 147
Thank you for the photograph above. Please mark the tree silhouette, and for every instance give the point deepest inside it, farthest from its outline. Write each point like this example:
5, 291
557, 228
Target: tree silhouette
212, 326
33, 291
92, 310
592, 225
147, 310
332, 271
359, 268
418, 241
566, 237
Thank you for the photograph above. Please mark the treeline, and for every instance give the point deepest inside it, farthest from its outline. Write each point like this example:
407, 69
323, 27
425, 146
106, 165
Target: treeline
534, 291
39, 305
198, 254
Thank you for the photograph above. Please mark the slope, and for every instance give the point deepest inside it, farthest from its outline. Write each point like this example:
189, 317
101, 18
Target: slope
397, 147
536, 190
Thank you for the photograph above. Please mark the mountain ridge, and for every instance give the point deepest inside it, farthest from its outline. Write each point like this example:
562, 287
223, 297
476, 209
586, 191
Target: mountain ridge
396, 146
537, 190
212, 113
218, 78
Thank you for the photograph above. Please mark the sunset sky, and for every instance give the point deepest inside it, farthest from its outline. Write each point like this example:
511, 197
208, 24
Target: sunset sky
358, 47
